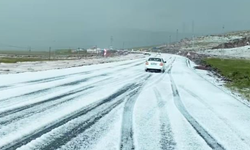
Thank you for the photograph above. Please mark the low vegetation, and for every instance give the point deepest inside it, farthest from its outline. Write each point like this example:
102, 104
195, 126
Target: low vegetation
237, 71
23, 52
12, 56
15, 60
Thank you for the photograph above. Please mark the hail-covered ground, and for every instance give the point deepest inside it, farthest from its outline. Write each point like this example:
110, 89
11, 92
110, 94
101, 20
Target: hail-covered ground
238, 52
118, 105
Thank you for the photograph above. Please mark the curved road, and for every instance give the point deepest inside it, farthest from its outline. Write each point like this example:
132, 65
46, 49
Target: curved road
120, 106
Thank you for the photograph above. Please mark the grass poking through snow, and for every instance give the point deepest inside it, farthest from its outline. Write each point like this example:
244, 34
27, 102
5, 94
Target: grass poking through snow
236, 70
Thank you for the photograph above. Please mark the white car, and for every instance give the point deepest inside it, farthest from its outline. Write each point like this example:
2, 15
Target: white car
155, 64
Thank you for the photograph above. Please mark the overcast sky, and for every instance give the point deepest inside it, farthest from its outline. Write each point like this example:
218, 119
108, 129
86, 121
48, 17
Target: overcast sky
84, 23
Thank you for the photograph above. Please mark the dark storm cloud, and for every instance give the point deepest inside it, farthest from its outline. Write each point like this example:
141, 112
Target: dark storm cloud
84, 23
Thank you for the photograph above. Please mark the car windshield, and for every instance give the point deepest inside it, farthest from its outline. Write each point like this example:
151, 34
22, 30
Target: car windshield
155, 59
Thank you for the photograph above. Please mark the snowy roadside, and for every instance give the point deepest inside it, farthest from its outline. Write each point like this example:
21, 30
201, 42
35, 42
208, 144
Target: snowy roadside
220, 84
10, 68
206, 42
239, 52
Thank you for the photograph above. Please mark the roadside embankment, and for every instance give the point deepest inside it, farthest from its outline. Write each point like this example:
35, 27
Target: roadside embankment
236, 73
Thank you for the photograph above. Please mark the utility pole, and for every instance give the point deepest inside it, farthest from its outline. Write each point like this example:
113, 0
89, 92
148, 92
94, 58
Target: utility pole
111, 42
193, 34
78, 52
184, 29
193, 27
49, 52
223, 44
169, 41
177, 32
29, 50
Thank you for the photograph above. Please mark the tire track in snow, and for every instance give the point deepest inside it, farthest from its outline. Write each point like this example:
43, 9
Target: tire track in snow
50, 79
45, 80
198, 128
157, 80
3, 87
93, 119
170, 65
227, 122
167, 139
77, 82
48, 90
55, 98
127, 141
40, 107
28, 138
68, 136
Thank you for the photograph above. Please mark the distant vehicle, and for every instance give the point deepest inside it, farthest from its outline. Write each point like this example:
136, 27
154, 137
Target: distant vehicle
155, 64
147, 54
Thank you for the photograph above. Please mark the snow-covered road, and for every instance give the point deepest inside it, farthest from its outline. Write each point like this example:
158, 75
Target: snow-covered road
120, 106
